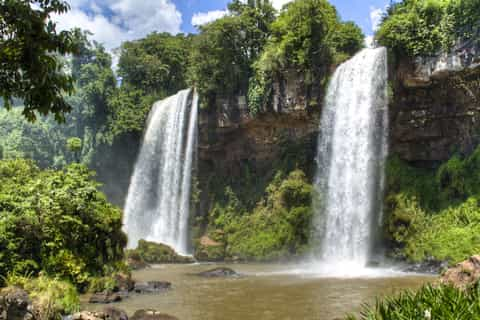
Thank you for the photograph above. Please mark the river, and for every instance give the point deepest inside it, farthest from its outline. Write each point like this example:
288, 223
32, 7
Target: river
264, 292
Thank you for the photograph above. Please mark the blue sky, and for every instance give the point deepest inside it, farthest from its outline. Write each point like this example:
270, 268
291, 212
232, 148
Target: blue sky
115, 21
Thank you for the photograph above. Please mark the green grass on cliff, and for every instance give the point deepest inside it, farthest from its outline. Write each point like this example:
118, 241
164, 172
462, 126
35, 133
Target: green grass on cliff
434, 214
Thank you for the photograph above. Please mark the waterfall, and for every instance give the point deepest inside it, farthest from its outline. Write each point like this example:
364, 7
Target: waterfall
350, 159
158, 201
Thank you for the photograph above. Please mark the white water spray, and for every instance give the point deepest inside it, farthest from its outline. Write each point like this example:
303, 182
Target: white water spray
351, 154
158, 202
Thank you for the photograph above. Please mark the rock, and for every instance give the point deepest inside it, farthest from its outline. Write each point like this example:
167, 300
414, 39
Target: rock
219, 273
105, 297
106, 314
124, 282
152, 286
15, 304
151, 315
208, 249
87, 315
431, 266
151, 252
114, 314
135, 262
464, 274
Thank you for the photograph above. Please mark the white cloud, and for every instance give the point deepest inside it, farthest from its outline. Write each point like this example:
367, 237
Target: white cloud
201, 18
127, 19
376, 17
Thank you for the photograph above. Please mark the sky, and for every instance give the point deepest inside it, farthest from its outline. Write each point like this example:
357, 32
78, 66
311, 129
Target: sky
115, 21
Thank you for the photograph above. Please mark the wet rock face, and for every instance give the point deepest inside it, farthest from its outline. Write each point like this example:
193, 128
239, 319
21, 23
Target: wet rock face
435, 111
464, 274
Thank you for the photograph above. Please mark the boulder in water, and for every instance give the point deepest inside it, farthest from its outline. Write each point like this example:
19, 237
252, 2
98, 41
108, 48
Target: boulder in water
151, 315
115, 314
105, 297
152, 252
106, 314
464, 274
219, 273
152, 286
211, 248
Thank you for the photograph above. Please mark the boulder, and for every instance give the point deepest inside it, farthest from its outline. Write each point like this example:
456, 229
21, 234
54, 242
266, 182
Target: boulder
464, 274
15, 304
151, 253
151, 315
218, 273
87, 315
114, 314
105, 297
106, 314
152, 286
211, 247
124, 282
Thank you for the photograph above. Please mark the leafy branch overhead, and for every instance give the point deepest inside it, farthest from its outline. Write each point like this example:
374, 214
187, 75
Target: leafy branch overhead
30, 68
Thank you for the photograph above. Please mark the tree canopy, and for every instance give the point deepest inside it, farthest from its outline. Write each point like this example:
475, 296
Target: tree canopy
29, 67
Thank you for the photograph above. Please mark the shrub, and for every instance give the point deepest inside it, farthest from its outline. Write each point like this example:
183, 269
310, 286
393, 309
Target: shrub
51, 297
434, 214
56, 221
278, 226
430, 302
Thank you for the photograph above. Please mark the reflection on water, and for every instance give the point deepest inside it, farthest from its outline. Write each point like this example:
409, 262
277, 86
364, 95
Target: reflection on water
265, 292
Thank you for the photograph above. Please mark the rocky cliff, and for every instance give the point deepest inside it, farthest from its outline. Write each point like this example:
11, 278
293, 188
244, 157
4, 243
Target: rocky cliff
435, 110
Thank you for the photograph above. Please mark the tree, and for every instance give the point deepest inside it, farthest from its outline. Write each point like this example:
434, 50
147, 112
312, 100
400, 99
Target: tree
225, 50
74, 145
29, 68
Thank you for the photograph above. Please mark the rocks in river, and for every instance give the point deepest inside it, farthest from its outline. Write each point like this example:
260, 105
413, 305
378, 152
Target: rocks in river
106, 314
117, 314
219, 273
429, 266
464, 274
151, 315
15, 304
152, 286
105, 297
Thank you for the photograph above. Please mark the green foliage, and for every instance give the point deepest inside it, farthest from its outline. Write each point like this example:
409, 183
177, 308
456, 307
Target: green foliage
440, 302
224, 51
41, 140
425, 27
308, 38
278, 227
74, 145
52, 297
29, 69
152, 252
157, 64
434, 215
56, 221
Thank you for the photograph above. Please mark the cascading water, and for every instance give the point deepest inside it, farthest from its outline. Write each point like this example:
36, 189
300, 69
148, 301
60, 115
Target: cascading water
350, 157
158, 202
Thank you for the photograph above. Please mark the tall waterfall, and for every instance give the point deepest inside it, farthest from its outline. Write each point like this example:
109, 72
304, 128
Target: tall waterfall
350, 157
158, 202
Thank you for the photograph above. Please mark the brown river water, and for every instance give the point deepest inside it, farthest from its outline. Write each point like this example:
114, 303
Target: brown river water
263, 292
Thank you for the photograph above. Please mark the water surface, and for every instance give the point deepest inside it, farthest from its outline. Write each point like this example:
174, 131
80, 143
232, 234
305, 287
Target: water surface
265, 292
